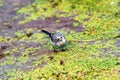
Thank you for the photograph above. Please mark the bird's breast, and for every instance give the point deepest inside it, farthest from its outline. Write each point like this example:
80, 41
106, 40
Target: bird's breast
59, 43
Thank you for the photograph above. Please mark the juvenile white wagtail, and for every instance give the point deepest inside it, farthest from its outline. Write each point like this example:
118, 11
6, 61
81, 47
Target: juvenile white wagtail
57, 39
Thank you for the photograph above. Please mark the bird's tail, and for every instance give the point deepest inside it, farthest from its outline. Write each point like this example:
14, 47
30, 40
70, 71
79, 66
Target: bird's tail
46, 32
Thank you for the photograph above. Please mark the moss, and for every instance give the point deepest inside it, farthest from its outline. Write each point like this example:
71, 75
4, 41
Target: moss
1, 39
90, 53
1, 3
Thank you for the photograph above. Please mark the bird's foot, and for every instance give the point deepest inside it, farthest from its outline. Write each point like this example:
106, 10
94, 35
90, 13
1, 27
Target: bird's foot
64, 50
55, 51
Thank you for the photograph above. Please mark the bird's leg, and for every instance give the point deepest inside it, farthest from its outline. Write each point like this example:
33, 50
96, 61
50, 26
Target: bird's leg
64, 49
55, 50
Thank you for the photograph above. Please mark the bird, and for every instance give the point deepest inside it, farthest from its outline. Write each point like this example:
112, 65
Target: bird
57, 39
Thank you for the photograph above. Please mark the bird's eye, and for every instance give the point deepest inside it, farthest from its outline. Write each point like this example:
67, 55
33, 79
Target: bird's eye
61, 37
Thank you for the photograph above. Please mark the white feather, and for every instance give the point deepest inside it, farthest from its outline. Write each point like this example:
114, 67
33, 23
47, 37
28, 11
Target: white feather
59, 43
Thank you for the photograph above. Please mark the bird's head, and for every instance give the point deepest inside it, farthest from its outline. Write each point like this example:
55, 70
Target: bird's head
58, 37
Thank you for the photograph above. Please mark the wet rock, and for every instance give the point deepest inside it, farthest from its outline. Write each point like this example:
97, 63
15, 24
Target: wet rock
91, 42
117, 54
118, 4
22, 66
117, 43
8, 66
105, 49
16, 54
